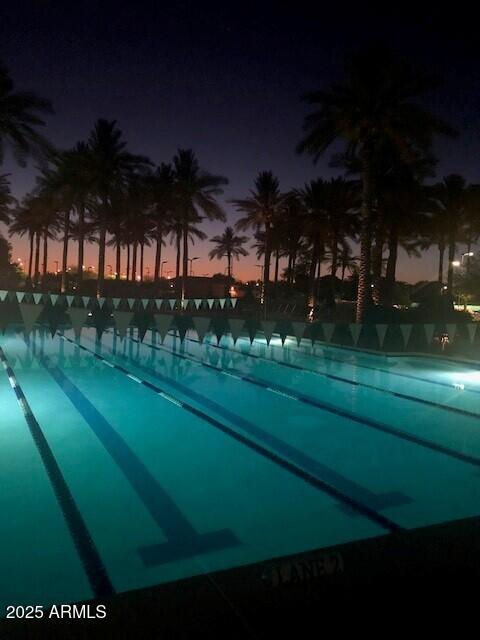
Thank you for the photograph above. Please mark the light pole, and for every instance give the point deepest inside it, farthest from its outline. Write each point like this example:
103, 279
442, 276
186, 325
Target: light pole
191, 263
56, 267
262, 293
161, 267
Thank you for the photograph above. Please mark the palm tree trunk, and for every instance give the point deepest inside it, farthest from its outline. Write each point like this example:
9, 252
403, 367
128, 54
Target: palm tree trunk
30, 259
118, 261
81, 242
45, 255
266, 267
141, 261
441, 252
185, 259
363, 291
128, 261
134, 260
311, 275
66, 236
451, 258
101, 259
158, 254
37, 258
391, 264
277, 260
229, 264
179, 240
377, 258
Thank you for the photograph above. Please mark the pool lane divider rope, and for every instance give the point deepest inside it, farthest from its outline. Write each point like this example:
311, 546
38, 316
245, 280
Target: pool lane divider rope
92, 563
309, 400
311, 479
350, 364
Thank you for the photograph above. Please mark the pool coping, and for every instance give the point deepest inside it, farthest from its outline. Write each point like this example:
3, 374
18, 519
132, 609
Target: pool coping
255, 599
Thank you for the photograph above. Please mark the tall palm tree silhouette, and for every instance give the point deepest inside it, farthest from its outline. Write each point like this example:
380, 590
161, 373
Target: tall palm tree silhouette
229, 246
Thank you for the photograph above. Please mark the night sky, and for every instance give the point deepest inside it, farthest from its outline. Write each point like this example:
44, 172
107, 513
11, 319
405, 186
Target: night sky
226, 80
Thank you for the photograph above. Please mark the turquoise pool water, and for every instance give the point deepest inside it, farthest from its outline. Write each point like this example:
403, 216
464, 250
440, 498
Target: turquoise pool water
127, 464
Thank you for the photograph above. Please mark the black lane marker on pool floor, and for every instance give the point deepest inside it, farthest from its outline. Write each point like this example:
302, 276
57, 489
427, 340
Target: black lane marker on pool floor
343, 413
292, 467
183, 541
92, 563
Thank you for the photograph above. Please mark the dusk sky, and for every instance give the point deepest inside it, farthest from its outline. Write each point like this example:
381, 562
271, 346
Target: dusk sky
226, 81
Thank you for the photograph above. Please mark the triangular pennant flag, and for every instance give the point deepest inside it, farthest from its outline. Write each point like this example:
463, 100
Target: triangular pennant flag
210, 302
3, 295
143, 321
101, 302
429, 331
472, 329
184, 304
158, 303
219, 327
198, 302
78, 317
53, 316
30, 313
131, 302
145, 302
20, 295
116, 302
252, 327
122, 321
406, 330
163, 322
172, 302
86, 301
381, 332
201, 325
452, 331
233, 302
355, 330
236, 328
222, 302
328, 328
183, 325
268, 327
37, 297
70, 300
298, 330
53, 298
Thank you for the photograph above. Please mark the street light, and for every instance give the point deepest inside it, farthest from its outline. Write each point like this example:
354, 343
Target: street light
191, 263
161, 267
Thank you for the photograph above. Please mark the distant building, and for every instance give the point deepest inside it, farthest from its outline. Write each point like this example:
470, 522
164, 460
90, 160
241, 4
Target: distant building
201, 287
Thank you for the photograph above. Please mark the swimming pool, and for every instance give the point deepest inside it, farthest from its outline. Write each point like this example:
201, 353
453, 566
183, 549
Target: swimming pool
126, 464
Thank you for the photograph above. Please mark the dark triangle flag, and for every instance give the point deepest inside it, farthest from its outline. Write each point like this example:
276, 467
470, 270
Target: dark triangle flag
54, 316
122, 321
252, 327
30, 313
143, 320
101, 319
268, 327
163, 322
78, 316
202, 326
298, 330
236, 328
219, 327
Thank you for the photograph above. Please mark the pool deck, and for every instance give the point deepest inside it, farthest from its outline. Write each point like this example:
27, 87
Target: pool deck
392, 573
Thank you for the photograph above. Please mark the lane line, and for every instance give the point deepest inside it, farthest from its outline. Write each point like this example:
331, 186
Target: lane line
90, 558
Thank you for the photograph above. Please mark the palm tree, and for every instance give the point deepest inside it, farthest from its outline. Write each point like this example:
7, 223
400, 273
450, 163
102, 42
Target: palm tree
20, 118
112, 167
230, 246
6, 199
375, 104
262, 211
196, 194
163, 197
24, 222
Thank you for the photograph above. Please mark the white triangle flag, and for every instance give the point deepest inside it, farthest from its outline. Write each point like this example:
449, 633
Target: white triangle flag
222, 303
3, 295
172, 302
37, 297
122, 321
145, 302
328, 328
268, 327
381, 333
298, 330
131, 302
53, 298
30, 313
184, 304
201, 325
355, 330
429, 331
406, 330
20, 295
210, 302
198, 302
101, 302
233, 302
236, 327
78, 317
116, 302
452, 331
70, 300
472, 329
158, 303
86, 301
163, 323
